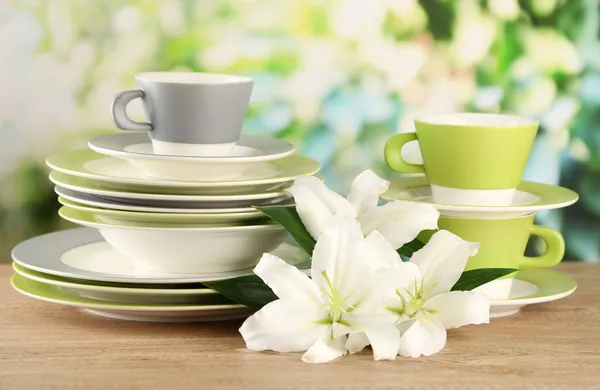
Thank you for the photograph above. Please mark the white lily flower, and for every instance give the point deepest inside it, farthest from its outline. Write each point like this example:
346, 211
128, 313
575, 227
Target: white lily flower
398, 222
343, 297
426, 307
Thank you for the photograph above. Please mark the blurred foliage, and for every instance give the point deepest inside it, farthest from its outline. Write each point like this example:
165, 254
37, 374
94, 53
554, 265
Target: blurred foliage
336, 77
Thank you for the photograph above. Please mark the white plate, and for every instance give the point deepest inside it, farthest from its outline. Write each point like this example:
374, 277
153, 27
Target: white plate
250, 152
156, 207
87, 186
115, 173
82, 253
130, 311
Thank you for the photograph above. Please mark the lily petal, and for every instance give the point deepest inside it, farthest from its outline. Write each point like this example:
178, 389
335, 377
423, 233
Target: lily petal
421, 336
380, 251
365, 191
287, 281
357, 342
459, 308
324, 351
400, 222
338, 258
380, 331
443, 260
316, 204
285, 325
383, 285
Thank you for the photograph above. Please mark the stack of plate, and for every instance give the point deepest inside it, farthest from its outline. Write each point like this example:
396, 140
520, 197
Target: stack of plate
161, 225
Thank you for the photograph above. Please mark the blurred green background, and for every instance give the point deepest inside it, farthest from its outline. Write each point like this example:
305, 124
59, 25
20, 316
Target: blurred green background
336, 77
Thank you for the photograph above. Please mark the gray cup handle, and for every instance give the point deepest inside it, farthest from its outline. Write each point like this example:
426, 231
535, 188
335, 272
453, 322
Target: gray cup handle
119, 113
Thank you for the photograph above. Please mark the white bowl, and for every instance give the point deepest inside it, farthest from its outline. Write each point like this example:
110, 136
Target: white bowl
185, 249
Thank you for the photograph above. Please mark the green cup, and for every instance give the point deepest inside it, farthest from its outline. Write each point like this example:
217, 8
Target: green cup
503, 241
469, 159
502, 245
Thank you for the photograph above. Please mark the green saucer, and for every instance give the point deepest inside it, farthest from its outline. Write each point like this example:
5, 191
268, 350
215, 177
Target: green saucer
530, 197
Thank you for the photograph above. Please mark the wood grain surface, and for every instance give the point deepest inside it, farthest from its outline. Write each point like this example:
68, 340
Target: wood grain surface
47, 346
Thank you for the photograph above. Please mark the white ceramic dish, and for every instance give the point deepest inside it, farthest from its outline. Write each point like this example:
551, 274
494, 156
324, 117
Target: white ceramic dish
208, 201
185, 249
250, 152
130, 311
127, 217
115, 173
149, 206
83, 254
124, 293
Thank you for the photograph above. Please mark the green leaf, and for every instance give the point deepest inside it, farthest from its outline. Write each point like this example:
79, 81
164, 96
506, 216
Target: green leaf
409, 248
248, 290
474, 278
290, 220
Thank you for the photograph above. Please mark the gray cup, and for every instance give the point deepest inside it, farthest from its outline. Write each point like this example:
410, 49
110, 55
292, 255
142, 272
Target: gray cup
188, 113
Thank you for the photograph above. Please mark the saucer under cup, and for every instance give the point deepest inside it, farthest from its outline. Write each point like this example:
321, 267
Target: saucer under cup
250, 153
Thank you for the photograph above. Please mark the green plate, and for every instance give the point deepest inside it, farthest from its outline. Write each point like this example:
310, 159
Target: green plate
140, 294
88, 186
50, 293
115, 173
212, 219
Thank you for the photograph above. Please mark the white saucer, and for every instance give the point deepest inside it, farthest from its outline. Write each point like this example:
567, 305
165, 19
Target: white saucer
136, 148
82, 253
89, 187
148, 206
116, 173
530, 197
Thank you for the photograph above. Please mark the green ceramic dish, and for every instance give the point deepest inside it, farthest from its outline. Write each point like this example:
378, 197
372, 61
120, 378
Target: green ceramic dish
124, 293
530, 197
47, 292
212, 219
115, 173
90, 187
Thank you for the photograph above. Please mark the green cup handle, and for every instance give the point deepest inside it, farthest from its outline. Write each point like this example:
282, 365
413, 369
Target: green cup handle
393, 154
555, 248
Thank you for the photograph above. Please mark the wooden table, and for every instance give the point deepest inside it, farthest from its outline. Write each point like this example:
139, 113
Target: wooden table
47, 346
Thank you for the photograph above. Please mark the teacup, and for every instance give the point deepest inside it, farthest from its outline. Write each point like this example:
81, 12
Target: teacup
469, 159
503, 241
189, 114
